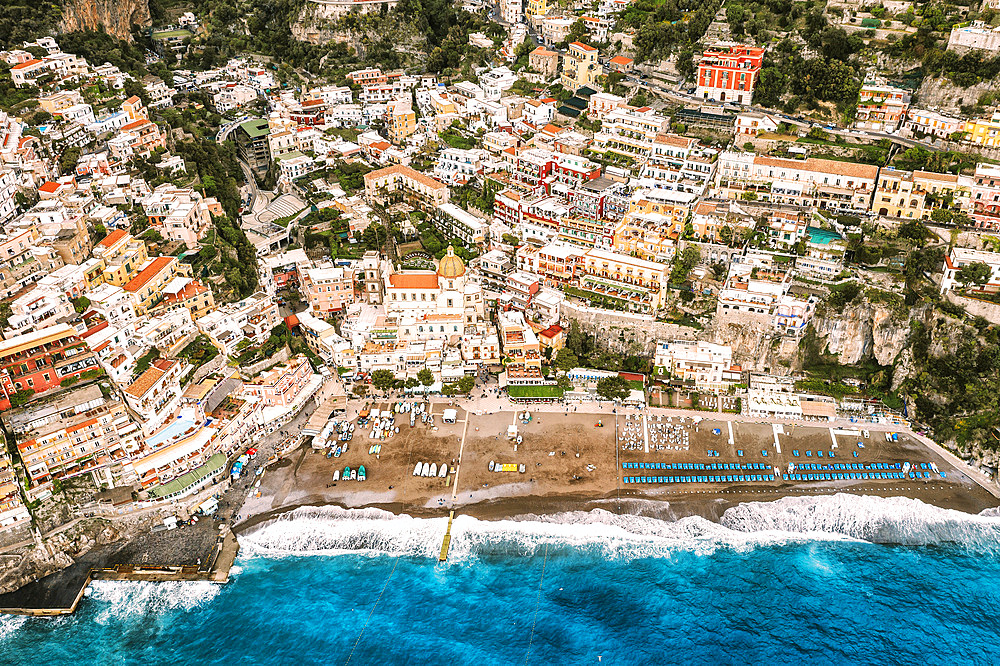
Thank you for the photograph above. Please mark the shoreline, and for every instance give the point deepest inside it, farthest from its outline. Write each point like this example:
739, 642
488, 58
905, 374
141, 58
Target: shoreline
710, 505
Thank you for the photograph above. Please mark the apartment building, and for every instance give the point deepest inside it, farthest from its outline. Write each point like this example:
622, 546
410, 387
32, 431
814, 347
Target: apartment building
457, 166
250, 319
419, 190
544, 61
118, 258
188, 294
521, 350
282, 384
881, 107
401, 121
180, 213
828, 184
139, 137
13, 513
37, 309
370, 76
932, 124
635, 284
580, 66
23, 262
728, 72
156, 394
630, 132
985, 196
703, 366
74, 432
148, 284
328, 289
38, 361
960, 257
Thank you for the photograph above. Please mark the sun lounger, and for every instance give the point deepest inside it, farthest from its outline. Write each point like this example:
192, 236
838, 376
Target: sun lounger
795, 453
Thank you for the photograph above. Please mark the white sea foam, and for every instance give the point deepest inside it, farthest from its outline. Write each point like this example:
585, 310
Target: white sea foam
118, 599
9, 626
333, 530
877, 519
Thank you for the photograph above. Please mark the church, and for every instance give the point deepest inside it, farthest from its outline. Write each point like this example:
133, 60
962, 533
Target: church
434, 305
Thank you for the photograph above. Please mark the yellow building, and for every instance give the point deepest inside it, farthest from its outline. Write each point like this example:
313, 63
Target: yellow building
147, 288
537, 8
580, 66
984, 131
400, 120
119, 257
635, 284
897, 196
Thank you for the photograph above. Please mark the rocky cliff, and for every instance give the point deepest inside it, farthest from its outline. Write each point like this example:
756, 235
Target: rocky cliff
863, 330
115, 17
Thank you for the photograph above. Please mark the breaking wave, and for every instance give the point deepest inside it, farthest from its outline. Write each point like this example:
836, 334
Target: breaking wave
843, 517
122, 599
10, 624
889, 520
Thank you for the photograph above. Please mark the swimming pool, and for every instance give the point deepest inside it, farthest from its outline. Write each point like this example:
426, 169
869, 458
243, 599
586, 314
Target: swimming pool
822, 236
179, 426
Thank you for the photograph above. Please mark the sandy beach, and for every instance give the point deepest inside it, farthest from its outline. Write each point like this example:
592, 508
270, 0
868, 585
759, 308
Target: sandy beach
573, 460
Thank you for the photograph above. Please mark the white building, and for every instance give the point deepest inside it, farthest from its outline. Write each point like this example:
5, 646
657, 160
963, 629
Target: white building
701, 365
959, 257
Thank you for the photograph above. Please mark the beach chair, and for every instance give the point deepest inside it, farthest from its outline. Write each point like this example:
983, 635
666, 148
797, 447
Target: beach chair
795, 453
809, 454
819, 454
739, 452
763, 452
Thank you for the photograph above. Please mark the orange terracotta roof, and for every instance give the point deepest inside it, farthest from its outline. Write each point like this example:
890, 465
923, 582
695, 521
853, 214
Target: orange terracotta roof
406, 172
155, 268
113, 238
621, 60
585, 47
674, 140
146, 381
29, 63
821, 166
414, 280
49, 187
133, 99
136, 124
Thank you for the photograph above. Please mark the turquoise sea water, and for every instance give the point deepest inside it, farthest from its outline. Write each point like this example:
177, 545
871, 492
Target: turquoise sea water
796, 581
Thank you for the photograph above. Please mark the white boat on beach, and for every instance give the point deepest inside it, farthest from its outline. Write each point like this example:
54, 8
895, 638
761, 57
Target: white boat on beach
416, 469
433, 470
443, 473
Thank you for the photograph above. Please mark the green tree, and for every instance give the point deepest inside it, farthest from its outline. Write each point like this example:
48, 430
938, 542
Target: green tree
975, 273
613, 388
566, 359
383, 379
466, 383
68, 160
425, 377
21, 398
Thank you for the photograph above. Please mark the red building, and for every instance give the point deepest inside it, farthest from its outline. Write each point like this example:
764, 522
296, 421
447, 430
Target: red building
728, 72
40, 360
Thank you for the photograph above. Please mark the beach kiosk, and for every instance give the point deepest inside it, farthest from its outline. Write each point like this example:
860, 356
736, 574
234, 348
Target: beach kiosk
511, 431
450, 415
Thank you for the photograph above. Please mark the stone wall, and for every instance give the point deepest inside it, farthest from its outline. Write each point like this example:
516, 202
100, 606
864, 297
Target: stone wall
249, 371
976, 307
622, 332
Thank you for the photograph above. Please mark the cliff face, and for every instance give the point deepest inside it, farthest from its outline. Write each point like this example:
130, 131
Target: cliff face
866, 329
115, 17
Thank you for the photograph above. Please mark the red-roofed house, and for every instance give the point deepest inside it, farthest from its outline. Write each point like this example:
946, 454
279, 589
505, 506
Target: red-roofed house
139, 137
147, 287
621, 64
26, 73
